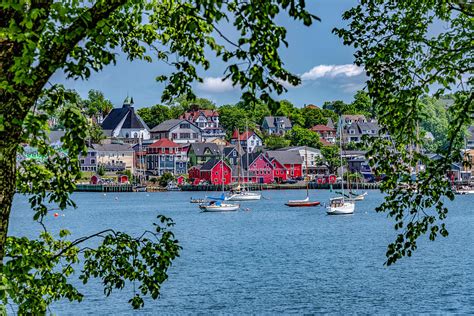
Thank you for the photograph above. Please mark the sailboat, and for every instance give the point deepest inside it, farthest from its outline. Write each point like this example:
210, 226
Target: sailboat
241, 193
339, 205
217, 204
305, 202
355, 195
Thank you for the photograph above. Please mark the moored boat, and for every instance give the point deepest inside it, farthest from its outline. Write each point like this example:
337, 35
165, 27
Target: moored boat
302, 203
217, 206
339, 206
243, 196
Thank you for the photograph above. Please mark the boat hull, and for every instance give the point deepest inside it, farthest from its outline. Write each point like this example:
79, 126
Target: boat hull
249, 196
219, 208
302, 203
346, 209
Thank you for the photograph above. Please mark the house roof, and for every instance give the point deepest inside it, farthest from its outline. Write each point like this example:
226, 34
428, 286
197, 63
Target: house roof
166, 125
164, 142
325, 142
353, 118
368, 126
322, 128
330, 123
112, 147
247, 135
200, 148
271, 120
229, 149
194, 114
198, 167
298, 148
251, 159
285, 156
207, 166
126, 114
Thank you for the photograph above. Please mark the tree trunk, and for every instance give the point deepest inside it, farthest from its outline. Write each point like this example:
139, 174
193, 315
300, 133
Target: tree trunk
8, 151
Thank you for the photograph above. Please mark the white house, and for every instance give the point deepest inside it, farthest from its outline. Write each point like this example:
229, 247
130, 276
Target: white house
248, 140
125, 123
310, 156
178, 130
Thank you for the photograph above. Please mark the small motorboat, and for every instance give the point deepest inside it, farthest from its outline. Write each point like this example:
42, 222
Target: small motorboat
172, 187
302, 203
139, 188
218, 206
339, 206
464, 190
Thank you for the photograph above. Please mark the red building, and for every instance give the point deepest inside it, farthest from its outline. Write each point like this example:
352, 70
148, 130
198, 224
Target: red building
279, 171
215, 172
291, 160
194, 173
260, 168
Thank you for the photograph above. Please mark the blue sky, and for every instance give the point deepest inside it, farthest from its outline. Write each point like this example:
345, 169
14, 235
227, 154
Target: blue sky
315, 54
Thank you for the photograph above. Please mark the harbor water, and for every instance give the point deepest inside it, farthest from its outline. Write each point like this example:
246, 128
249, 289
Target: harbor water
271, 259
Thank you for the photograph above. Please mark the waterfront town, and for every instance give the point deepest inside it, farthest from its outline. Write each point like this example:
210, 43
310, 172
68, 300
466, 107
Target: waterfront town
197, 149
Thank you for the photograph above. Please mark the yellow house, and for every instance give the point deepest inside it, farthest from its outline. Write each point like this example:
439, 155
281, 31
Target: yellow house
115, 157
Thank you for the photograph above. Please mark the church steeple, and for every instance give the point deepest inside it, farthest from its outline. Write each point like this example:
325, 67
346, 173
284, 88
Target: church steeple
128, 102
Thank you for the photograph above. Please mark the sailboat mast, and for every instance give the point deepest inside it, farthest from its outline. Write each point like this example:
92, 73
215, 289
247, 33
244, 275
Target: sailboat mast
238, 159
306, 171
247, 148
340, 148
222, 170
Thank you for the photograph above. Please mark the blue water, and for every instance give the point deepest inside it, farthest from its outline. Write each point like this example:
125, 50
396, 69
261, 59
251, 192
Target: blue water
275, 259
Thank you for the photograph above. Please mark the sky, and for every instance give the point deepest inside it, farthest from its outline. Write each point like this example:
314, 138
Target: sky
319, 57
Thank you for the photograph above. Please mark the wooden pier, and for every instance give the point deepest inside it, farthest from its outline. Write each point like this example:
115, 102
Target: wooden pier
260, 187
104, 188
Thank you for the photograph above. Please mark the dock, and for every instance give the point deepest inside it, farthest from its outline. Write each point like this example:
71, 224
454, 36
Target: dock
104, 188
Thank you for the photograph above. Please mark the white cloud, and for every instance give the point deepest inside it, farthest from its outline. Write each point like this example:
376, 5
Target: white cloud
353, 87
216, 85
331, 71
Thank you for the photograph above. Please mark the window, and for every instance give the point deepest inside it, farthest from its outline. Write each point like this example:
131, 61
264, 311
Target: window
92, 154
252, 142
184, 135
195, 135
92, 161
174, 135
216, 173
82, 161
184, 125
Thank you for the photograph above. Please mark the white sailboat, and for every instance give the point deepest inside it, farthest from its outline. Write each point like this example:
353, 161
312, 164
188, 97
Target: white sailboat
217, 204
241, 193
339, 205
305, 202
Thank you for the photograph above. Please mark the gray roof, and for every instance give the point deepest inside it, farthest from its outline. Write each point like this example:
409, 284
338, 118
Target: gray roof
368, 126
126, 113
166, 125
271, 120
285, 157
209, 164
297, 148
200, 148
112, 147
330, 123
